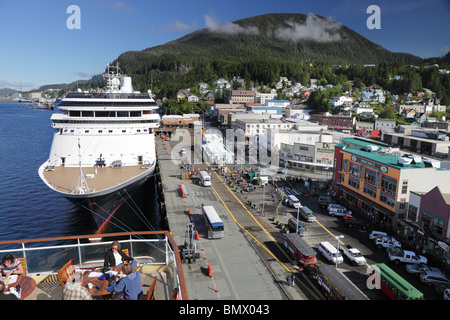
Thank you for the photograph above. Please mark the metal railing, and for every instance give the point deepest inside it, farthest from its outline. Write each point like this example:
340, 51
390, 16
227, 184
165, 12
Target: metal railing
48, 255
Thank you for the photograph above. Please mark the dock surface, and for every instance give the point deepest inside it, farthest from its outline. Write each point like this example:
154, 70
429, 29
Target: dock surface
235, 267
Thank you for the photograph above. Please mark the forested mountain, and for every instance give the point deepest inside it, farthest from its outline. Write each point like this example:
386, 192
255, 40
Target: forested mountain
263, 48
260, 48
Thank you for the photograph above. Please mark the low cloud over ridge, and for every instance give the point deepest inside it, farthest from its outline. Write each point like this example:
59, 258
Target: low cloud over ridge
315, 28
228, 28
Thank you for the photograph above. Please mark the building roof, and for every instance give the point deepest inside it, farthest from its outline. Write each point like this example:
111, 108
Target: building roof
386, 158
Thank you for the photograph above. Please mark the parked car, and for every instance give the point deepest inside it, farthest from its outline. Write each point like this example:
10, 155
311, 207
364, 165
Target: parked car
387, 242
417, 269
295, 225
434, 277
353, 222
337, 210
447, 294
307, 214
325, 201
375, 234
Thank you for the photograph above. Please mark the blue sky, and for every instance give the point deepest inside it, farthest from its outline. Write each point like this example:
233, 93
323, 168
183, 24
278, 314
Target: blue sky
37, 48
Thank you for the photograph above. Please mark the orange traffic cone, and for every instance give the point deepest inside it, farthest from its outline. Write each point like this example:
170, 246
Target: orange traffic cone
210, 274
196, 235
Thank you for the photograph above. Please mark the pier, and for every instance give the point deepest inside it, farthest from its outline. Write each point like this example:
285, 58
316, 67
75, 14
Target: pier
241, 265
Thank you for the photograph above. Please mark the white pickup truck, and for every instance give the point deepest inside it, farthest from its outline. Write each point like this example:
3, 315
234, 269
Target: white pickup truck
398, 255
354, 255
387, 242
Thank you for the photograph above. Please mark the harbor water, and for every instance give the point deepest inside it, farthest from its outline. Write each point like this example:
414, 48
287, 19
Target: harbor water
28, 208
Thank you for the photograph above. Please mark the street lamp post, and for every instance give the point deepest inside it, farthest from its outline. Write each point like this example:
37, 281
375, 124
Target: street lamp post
338, 242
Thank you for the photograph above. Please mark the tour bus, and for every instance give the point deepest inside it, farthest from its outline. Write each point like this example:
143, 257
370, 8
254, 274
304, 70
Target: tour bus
213, 222
205, 179
293, 201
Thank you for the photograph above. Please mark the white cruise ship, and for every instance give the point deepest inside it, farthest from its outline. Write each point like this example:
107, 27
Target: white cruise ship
103, 148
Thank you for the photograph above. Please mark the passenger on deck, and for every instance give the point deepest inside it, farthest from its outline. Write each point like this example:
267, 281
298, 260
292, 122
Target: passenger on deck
10, 265
73, 290
128, 287
3, 295
116, 257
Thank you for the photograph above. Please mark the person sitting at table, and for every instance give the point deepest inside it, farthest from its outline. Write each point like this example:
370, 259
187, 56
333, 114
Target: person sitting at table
128, 287
10, 266
116, 257
3, 295
73, 290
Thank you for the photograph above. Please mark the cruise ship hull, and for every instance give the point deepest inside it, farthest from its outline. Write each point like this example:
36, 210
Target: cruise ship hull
102, 205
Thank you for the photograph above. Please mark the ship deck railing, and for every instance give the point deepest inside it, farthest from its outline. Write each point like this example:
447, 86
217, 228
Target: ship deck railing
156, 251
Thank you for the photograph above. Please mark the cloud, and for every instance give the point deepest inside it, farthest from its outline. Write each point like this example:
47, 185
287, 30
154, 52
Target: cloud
179, 26
122, 6
228, 28
16, 85
81, 74
315, 28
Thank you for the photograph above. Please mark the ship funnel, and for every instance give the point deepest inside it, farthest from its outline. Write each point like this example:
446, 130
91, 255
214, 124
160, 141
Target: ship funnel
125, 84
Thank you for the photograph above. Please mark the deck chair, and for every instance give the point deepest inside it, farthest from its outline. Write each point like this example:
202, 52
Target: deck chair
23, 262
151, 291
66, 272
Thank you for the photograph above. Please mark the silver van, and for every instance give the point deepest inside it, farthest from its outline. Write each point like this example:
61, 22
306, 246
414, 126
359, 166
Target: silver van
293, 201
307, 214
337, 210
294, 223
434, 277
330, 253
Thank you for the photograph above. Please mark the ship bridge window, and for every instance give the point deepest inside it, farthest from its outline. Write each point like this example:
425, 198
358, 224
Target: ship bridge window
123, 114
87, 113
75, 113
135, 114
105, 114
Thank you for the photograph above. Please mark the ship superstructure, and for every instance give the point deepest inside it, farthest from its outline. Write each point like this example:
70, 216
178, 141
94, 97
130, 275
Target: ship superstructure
103, 143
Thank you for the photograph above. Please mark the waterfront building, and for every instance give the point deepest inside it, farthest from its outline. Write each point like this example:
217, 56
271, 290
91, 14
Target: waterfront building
341, 123
241, 96
428, 223
425, 141
253, 126
377, 180
316, 156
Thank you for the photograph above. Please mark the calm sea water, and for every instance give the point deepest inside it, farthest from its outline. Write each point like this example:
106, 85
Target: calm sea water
28, 208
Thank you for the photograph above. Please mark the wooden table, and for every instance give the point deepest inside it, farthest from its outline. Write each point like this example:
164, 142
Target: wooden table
27, 286
94, 291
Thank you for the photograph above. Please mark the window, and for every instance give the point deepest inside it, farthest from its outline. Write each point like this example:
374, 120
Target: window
370, 177
388, 185
390, 201
353, 182
355, 170
412, 213
434, 223
369, 190
75, 113
404, 187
